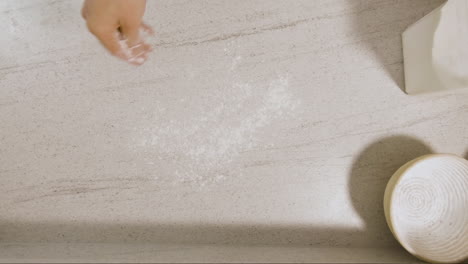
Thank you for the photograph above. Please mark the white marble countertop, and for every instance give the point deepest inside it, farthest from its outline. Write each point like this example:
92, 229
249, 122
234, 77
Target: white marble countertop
253, 122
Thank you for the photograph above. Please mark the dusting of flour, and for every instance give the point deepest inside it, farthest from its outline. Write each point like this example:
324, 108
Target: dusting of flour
204, 145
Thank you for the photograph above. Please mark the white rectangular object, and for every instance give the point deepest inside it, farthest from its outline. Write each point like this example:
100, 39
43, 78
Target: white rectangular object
434, 50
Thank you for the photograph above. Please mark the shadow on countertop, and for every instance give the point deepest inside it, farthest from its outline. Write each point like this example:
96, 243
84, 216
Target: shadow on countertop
380, 25
370, 174
368, 178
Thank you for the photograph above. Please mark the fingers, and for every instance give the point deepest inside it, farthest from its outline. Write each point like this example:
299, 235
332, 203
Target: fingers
109, 38
147, 29
138, 50
139, 53
119, 45
131, 32
117, 25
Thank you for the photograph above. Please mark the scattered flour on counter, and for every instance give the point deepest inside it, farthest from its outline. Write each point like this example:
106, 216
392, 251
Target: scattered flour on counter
202, 147
235, 62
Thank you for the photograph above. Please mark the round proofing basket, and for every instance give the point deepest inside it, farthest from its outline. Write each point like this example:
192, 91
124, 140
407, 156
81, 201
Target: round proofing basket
426, 207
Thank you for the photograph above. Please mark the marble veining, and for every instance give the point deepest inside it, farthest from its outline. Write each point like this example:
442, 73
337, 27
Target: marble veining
252, 123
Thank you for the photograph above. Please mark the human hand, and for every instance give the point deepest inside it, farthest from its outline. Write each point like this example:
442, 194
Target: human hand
117, 25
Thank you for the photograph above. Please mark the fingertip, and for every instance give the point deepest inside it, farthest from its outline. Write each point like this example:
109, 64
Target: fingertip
84, 10
137, 61
147, 47
147, 29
